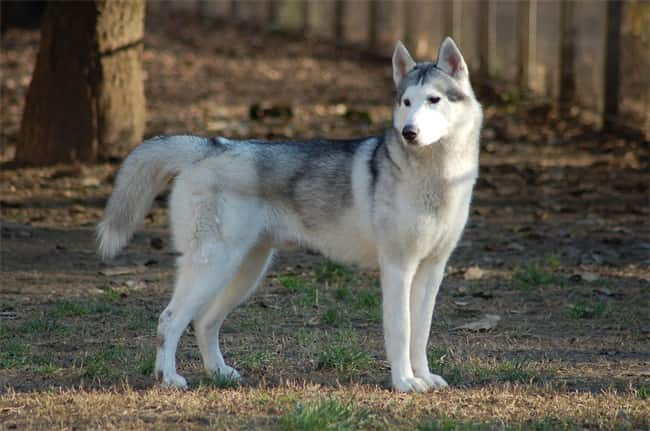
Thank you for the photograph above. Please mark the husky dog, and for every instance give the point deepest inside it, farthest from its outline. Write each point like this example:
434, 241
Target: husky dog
398, 202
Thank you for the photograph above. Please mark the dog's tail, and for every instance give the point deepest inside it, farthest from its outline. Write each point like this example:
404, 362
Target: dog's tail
142, 176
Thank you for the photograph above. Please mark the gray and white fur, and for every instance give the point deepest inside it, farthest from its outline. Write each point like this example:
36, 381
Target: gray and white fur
397, 202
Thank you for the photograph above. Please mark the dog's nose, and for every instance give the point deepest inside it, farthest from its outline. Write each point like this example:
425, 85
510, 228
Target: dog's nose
410, 133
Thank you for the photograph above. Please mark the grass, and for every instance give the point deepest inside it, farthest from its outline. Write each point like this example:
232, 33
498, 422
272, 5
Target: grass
587, 310
14, 353
218, 381
345, 355
474, 371
256, 360
323, 415
537, 274
106, 364
306, 293
332, 273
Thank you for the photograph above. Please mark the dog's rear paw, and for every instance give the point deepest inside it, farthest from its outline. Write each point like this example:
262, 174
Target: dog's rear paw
433, 381
174, 381
410, 384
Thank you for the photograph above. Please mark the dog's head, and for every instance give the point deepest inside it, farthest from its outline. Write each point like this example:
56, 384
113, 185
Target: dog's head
430, 96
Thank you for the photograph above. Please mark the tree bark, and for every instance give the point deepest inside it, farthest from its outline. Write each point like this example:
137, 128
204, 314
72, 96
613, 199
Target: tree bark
86, 98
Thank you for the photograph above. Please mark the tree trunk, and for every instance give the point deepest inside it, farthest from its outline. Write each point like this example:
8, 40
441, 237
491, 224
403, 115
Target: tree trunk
86, 98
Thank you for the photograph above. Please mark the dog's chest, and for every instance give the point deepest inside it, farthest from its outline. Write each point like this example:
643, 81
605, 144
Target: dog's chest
431, 219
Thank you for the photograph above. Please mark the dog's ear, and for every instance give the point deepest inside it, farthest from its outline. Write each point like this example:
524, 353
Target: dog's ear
402, 63
451, 61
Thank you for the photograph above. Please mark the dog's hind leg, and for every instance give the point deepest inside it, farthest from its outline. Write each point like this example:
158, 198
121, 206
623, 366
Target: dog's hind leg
201, 276
207, 325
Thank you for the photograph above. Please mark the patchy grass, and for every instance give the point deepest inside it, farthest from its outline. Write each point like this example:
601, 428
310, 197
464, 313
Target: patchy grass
324, 415
106, 365
587, 310
256, 360
537, 274
14, 353
474, 371
346, 355
218, 381
332, 273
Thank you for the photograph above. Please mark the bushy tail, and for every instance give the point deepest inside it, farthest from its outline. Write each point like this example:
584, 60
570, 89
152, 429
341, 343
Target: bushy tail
142, 176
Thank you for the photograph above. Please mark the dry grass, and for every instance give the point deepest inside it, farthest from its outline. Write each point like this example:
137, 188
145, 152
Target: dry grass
503, 406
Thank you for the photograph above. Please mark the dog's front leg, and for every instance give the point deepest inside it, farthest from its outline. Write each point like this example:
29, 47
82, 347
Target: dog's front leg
396, 278
424, 290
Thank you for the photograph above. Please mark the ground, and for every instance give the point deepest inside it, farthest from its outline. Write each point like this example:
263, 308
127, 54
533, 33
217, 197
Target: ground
557, 246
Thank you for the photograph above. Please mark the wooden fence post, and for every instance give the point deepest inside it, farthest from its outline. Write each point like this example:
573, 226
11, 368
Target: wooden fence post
409, 22
271, 12
373, 25
339, 14
451, 19
611, 81
304, 12
486, 33
234, 10
567, 56
526, 41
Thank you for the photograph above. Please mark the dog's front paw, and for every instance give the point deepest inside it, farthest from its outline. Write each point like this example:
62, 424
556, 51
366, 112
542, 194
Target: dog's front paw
433, 381
409, 384
229, 373
174, 381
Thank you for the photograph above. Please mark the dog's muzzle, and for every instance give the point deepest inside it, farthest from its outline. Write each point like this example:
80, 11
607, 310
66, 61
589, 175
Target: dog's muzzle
410, 133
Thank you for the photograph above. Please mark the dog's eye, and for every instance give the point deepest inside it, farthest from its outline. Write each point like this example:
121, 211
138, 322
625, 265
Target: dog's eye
407, 102
433, 100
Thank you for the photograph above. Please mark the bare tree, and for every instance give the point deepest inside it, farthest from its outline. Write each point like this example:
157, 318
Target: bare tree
86, 98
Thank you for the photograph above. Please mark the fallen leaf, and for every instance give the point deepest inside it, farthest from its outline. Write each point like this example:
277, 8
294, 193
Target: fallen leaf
488, 322
473, 273
513, 246
589, 276
122, 270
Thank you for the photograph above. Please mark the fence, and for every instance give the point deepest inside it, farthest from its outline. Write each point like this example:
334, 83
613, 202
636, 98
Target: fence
589, 54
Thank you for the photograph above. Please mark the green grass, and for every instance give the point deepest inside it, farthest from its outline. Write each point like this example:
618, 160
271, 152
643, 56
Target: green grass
308, 337
256, 360
343, 294
368, 301
73, 308
293, 283
505, 371
306, 293
146, 362
332, 273
345, 355
643, 392
331, 316
587, 310
43, 323
325, 415
464, 372
14, 354
218, 381
537, 274
106, 364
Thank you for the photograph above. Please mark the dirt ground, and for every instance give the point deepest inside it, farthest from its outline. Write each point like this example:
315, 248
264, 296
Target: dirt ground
558, 246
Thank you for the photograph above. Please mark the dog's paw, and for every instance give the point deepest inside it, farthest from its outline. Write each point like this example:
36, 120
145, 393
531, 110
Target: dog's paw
174, 381
229, 373
410, 384
433, 381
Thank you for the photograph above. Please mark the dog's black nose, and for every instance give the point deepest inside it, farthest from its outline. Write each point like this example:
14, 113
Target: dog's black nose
410, 133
